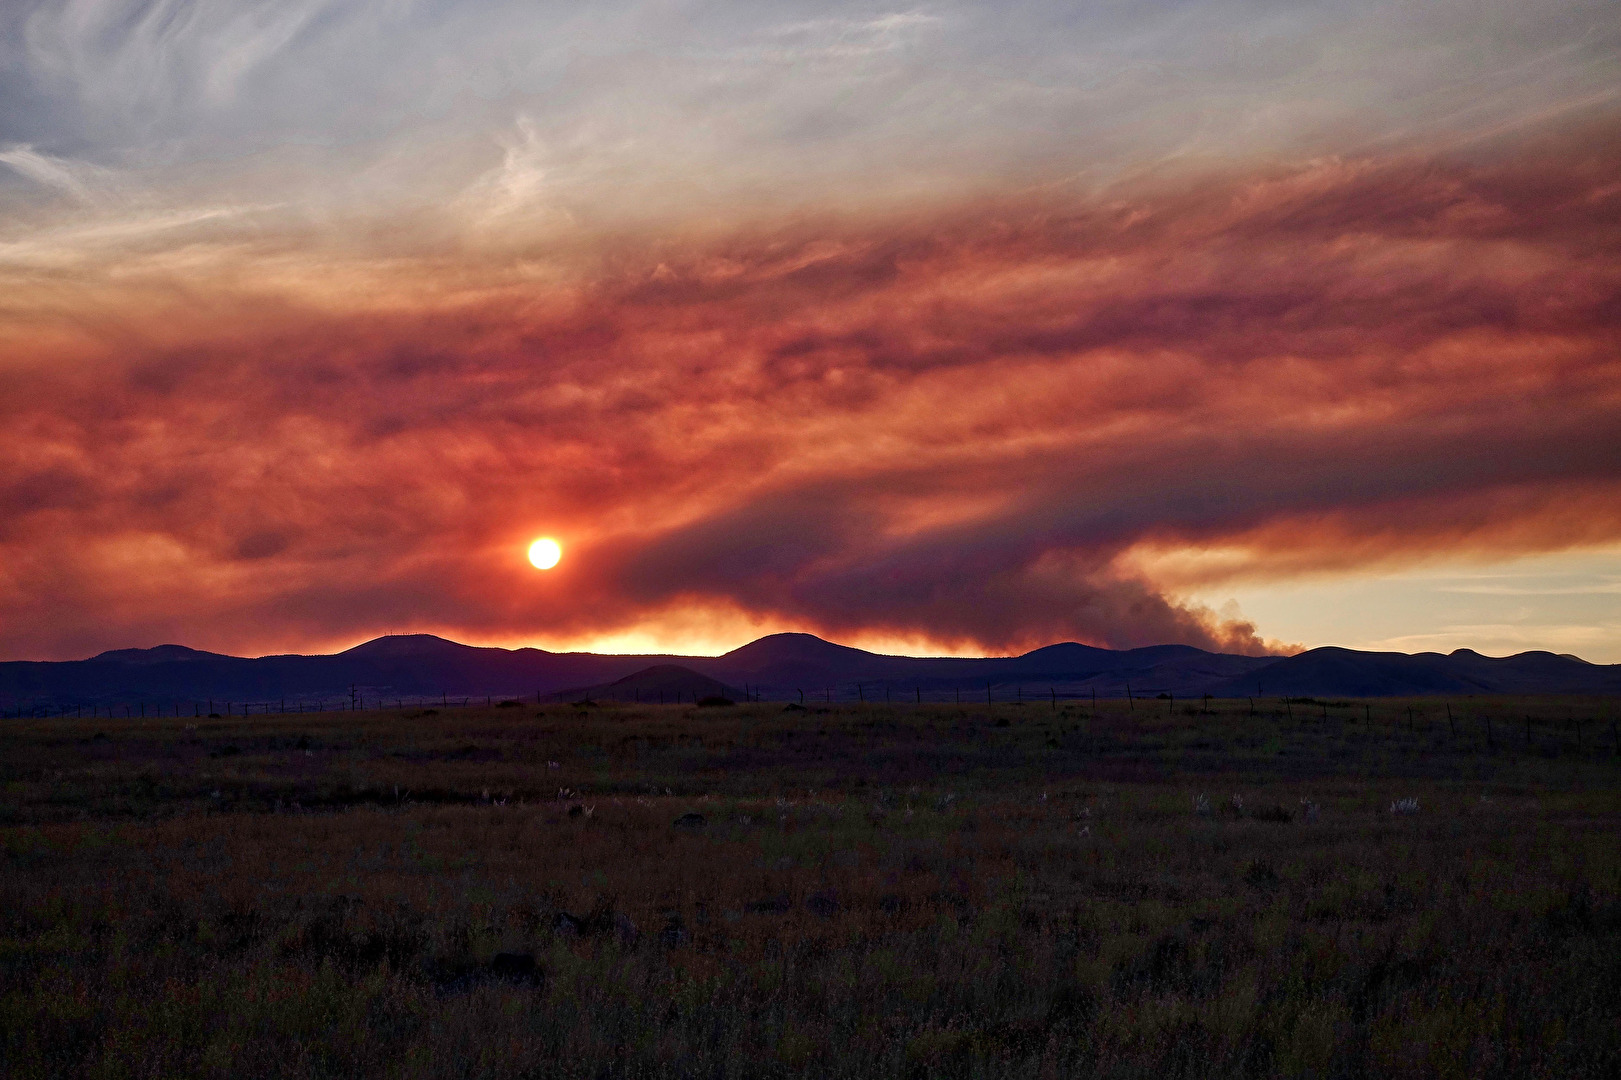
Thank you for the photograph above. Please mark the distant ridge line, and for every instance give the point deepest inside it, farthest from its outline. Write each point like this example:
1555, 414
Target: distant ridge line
776, 667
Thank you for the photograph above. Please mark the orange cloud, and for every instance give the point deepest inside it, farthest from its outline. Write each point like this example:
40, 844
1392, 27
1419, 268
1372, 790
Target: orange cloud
981, 425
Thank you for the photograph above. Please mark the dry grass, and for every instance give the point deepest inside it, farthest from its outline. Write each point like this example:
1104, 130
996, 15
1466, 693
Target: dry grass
872, 892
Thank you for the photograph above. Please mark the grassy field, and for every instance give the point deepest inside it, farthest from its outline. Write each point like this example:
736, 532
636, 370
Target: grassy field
1301, 889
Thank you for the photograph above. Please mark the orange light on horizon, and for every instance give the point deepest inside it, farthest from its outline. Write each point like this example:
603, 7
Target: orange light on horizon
545, 553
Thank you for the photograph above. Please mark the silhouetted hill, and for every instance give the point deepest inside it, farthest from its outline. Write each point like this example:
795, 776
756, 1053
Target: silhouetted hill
160, 654
663, 683
790, 648
415, 647
781, 666
789, 662
1349, 673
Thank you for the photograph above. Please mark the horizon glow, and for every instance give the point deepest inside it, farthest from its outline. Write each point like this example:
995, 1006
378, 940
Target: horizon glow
954, 329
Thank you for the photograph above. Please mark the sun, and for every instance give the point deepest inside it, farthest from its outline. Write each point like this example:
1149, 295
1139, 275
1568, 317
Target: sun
545, 552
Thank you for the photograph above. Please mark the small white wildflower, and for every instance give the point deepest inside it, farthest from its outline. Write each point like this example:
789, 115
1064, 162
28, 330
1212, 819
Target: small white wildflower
1404, 806
1201, 805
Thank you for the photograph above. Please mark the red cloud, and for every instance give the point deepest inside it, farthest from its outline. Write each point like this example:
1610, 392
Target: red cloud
955, 426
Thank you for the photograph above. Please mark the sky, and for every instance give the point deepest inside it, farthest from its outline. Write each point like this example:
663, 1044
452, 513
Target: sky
954, 328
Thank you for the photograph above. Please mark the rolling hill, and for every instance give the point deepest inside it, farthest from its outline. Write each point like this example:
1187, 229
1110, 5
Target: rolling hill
418, 667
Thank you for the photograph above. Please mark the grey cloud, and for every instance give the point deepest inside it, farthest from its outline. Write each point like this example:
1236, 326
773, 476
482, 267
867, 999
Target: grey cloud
765, 91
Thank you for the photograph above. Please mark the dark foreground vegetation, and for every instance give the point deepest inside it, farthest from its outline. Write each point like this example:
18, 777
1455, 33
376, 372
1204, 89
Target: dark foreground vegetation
1310, 889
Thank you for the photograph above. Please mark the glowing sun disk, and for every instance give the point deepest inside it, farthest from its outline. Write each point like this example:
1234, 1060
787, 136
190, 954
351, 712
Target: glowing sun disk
545, 552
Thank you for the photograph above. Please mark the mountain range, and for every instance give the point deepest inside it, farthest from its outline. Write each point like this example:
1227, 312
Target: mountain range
420, 667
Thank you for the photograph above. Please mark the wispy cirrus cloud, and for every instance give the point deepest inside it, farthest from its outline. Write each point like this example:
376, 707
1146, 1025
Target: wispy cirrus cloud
76, 179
